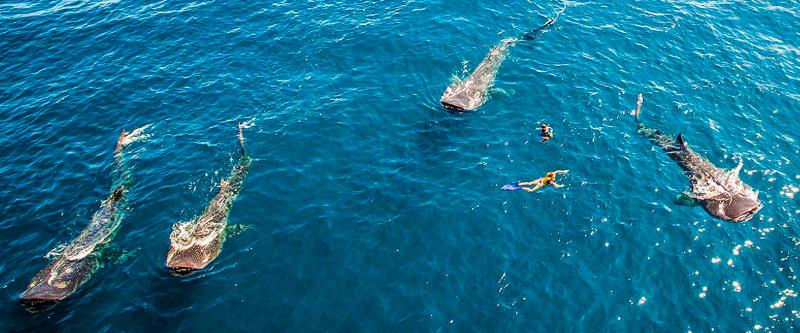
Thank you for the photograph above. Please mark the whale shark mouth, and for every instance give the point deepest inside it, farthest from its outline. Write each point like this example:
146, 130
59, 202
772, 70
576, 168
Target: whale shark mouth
57, 281
182, 271
748, 214
736, 208
453, 107
184, 263
34, 305
43, 296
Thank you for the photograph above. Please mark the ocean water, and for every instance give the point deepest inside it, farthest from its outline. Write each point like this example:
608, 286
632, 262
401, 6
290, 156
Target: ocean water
372, 208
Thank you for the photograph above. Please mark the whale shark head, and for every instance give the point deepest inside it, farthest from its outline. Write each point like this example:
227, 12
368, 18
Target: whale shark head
183, 260
460, 97
722, 193
736, 207
59, 279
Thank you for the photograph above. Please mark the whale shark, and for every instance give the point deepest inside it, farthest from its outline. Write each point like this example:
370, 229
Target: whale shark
73, 264
196, 243
721, 192
470, 94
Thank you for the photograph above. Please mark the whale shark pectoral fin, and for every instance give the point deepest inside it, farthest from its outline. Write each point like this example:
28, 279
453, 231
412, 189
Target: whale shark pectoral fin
497, 92
236, 229
686, 199
116, 256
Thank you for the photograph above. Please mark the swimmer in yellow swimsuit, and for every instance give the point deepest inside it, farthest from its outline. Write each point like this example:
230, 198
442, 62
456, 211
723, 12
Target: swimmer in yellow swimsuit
548, 179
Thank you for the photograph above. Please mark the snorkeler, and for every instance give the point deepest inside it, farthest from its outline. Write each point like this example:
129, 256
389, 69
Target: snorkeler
548, 179
546, 132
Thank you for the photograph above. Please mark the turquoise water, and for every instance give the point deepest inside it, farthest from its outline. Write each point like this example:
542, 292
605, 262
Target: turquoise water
372, 208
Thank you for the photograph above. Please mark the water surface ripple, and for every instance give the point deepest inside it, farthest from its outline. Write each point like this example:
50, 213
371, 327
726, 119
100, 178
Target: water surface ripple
372, 208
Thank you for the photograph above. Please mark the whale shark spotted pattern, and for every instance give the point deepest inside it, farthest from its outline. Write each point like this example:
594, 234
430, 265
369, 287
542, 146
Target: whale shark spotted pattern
72, 265
722, 193
470, 94
196, 243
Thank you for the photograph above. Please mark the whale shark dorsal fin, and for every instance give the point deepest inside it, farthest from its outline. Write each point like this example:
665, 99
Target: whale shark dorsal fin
679, 140
117, 194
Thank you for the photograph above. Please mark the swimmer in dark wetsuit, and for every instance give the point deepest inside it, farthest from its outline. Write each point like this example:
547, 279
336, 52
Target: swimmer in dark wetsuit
546, 132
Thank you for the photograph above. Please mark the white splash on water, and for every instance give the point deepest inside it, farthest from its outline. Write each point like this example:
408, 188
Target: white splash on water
56, 251
137, 135
789, 191
249, 123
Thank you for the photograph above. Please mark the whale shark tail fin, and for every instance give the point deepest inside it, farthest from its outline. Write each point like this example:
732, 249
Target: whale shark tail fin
121, 141
531, 35
638, 110
241, 138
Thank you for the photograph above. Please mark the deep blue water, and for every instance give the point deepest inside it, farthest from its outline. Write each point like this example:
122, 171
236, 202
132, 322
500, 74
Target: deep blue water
372, 208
